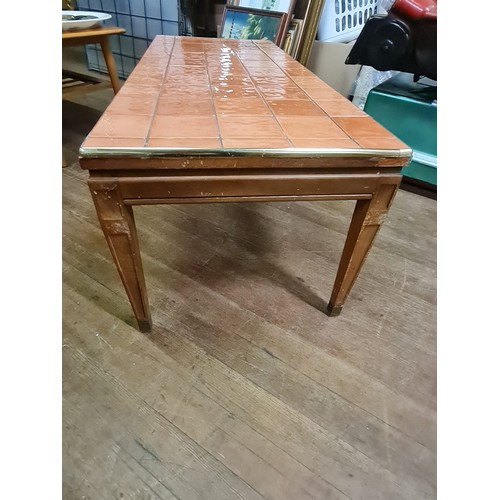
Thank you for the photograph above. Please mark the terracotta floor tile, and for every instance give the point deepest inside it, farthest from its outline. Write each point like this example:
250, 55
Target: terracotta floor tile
362, 127
262, 65
222, 59
183, 48
186, 45
340, 107
148, 71
162, 48
234, 92
228, 80
113, 142
248, 127
139, 90
186, 94
310, 80
294, 70
288, 92
319, 143
266, 73
210, 99
241, 106
262, 143
224, 71
292, 107
266, 81
129, 105
184, 142
310, 127
141, 76
184, 126
187, 72
251, 56
187, 59
153, 78
381, 143
233, 82
196, 107
183, 82
321, 93
113, 125
158, 56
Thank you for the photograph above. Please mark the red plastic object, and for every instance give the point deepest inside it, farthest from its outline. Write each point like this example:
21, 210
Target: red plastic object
415, 9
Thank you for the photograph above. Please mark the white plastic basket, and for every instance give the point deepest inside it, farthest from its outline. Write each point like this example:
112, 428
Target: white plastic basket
343, 20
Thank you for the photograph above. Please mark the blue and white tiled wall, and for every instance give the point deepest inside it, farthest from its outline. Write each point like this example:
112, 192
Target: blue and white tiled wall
142, 21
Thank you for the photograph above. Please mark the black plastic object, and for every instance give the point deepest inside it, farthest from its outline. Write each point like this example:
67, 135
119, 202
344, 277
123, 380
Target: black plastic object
388, 43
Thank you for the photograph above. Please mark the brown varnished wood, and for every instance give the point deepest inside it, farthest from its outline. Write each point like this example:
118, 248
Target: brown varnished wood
269, 186
110, 63
242, 162
215, 172
93, 35
131, 157
113, 197
118, 225
367, 218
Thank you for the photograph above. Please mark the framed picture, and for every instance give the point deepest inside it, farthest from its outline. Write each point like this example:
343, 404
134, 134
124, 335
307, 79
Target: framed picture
276, 5
253, 24
293, 36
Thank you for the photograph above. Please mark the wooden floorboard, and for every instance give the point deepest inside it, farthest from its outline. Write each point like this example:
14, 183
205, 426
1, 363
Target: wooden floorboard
245, 389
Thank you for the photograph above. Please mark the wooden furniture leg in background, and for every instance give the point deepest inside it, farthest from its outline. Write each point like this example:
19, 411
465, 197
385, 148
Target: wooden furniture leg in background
118, 224
367, 218
82, 37
101, 36
110, 63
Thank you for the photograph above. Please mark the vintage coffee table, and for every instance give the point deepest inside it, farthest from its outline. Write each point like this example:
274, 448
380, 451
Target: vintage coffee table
206, 120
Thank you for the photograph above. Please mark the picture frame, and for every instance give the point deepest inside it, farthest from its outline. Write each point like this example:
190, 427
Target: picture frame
310, 12
253, 24
286, 6
293, 37
275, 5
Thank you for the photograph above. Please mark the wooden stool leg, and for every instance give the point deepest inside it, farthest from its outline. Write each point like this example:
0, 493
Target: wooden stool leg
110, 63
367, 218
118, 224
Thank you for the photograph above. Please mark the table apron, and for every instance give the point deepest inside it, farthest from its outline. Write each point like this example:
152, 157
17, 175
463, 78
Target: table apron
72, 42
229, 188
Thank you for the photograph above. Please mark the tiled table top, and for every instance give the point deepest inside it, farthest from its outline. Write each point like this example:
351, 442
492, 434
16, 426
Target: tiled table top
218, 95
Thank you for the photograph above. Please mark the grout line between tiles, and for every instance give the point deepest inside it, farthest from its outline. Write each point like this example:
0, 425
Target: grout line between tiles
164, 77
311, 99
260, 93
205, 58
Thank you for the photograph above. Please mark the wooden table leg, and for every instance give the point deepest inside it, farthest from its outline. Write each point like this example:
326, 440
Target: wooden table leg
118, 224
367, 218
110, 63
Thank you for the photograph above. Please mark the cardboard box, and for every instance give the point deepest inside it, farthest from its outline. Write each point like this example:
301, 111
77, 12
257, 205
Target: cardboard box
327, 60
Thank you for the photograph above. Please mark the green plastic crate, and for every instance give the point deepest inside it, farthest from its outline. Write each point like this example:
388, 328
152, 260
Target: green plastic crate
409, 111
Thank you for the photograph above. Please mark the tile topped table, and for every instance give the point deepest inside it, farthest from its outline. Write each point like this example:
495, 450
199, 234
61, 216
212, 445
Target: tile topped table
204, 120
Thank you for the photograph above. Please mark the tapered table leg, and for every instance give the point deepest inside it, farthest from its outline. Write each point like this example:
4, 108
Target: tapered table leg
110, 63
118, 224
367, 218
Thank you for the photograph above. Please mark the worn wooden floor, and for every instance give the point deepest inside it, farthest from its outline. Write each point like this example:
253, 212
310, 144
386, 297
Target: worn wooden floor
246, 389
